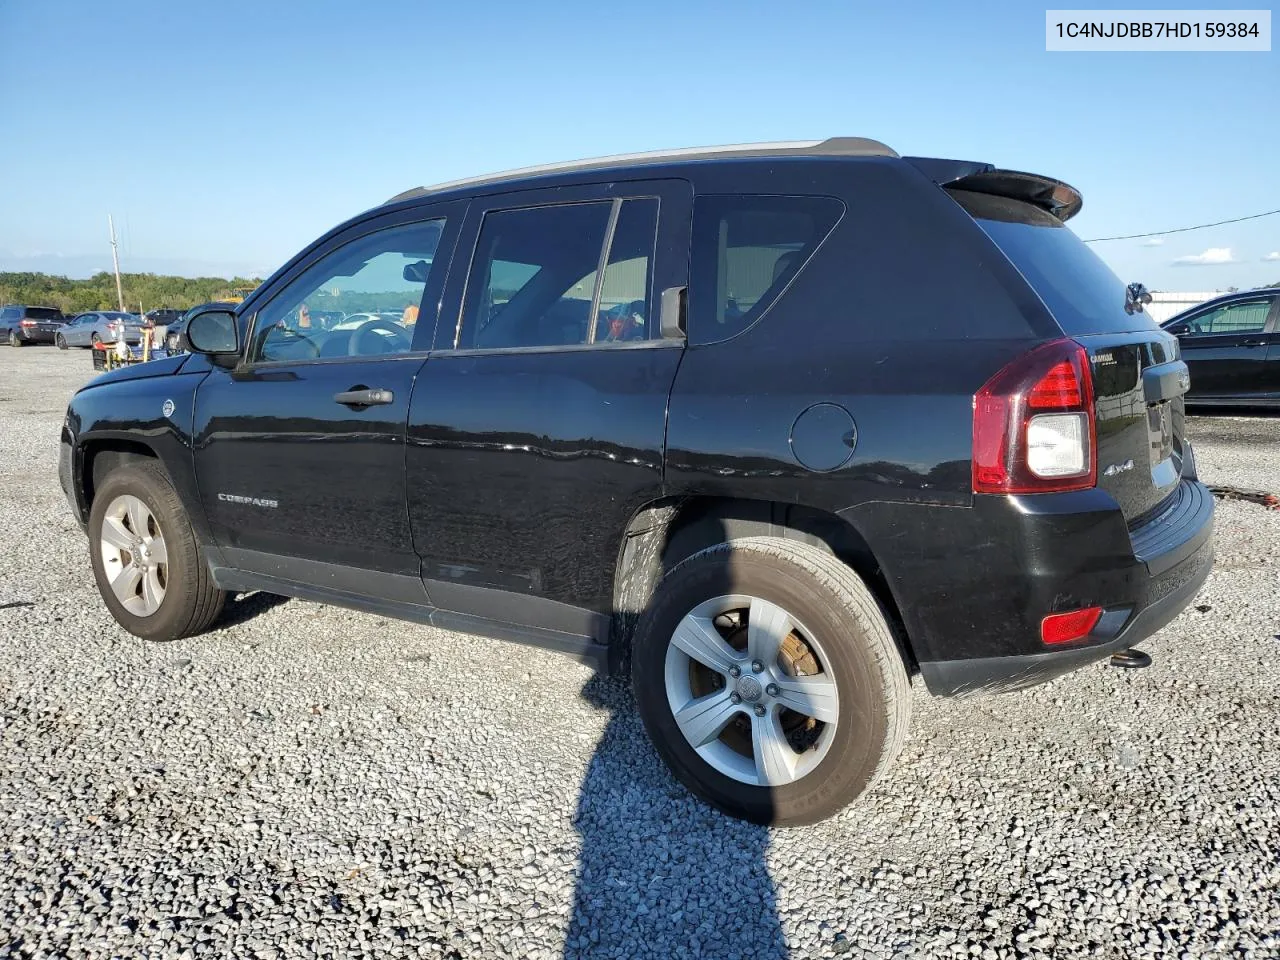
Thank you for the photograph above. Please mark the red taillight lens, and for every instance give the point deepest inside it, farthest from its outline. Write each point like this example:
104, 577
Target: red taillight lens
1065, 627
1034, 424
26, 323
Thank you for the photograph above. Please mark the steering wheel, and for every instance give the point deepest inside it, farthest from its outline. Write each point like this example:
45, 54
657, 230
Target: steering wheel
398, 334
286, 338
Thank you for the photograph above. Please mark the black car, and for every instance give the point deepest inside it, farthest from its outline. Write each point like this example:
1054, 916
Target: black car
162, 317
1231, 345
771, 428
20, 325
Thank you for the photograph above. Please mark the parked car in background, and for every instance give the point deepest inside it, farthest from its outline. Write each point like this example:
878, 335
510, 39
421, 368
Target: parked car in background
163, 317
863, 416
1231, 345
99, 326
21, 324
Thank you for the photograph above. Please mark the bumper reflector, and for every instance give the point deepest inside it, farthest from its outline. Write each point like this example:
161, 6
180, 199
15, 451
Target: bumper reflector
1065, 627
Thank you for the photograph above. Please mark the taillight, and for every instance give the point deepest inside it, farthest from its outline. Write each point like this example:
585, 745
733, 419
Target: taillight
1034, 424
26, 323
1065, 627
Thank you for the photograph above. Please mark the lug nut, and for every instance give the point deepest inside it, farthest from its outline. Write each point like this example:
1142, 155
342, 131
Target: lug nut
735, 672
759, 709
756, 666
771, 689
734, 698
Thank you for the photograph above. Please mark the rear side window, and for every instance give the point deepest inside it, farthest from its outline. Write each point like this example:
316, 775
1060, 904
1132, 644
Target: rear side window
1079, 289
746, 249
44, 313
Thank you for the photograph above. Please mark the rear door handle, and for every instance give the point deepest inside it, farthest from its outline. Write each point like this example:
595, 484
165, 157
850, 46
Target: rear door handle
364, 397
1252, 343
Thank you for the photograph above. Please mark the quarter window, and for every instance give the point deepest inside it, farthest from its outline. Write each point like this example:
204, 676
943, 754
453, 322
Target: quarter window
1248, 317
746, 249
363, 299
536, 281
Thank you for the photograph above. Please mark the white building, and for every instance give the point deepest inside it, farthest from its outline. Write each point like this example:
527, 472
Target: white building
1165, 305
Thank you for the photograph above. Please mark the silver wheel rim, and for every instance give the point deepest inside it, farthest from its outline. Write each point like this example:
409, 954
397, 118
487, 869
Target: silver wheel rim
712, 685
134, 557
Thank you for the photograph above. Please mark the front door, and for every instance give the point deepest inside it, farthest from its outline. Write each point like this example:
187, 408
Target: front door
537, 429
1225, 348
300, 449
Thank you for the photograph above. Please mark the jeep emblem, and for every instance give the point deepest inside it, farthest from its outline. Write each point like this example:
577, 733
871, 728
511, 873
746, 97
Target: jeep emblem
167, 408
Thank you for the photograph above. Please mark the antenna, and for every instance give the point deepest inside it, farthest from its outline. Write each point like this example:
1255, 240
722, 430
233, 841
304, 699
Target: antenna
115, 259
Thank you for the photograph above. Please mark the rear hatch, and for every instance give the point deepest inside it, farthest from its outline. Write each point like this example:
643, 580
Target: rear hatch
1139, 382
46, 319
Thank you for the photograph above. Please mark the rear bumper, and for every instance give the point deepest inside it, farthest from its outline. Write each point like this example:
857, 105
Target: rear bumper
1172, 592
973, 599
29, 335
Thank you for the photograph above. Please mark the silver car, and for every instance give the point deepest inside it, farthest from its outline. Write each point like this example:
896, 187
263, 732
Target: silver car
103, 326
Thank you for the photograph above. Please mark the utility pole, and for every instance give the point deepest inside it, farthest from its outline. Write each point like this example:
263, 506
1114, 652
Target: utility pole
115, 259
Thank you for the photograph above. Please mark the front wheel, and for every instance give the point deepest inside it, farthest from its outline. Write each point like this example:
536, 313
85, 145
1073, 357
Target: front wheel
146, 560
769, 681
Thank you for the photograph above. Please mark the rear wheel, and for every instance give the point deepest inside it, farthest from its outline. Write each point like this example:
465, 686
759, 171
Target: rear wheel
146, 560
768, 678
14, 339
61, 341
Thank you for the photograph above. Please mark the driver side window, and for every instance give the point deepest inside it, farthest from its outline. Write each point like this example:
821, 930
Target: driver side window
361, 300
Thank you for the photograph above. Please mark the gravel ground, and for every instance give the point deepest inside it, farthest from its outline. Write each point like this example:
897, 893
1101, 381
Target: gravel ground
307, 781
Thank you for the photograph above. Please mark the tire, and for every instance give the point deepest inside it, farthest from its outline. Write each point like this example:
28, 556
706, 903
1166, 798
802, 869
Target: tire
191, 601
94, 338
832, 611
60, 341
14, 339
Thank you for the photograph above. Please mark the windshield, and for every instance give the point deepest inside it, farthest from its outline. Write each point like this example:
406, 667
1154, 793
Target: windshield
1079, 289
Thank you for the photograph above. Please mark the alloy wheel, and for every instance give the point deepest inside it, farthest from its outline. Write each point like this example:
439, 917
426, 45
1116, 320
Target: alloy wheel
134, 557
748, 687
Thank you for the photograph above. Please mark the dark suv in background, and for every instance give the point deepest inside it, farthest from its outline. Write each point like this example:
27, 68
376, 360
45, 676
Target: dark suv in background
771, 427
20, 325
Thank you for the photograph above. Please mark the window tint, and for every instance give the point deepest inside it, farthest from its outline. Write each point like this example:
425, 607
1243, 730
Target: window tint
746, 249
1247, 317
1079, 289
534, 279
44, 313
9, 313
362, 299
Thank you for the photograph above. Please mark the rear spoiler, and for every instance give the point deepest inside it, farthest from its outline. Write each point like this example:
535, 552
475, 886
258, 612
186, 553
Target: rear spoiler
1058, 198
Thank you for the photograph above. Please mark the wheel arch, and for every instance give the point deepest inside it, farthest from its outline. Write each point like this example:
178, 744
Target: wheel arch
100, 456
664, 532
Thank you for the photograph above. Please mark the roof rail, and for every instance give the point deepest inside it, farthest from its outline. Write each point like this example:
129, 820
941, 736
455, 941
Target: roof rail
831, 147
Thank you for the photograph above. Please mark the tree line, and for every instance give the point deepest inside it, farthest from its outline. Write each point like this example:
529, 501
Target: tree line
98, 292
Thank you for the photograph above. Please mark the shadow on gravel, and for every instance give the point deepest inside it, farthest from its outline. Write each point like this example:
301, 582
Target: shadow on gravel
662, 874
247, 606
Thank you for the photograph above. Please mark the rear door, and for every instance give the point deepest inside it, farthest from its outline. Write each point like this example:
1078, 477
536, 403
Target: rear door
1226, 346
537, 428
1139, 383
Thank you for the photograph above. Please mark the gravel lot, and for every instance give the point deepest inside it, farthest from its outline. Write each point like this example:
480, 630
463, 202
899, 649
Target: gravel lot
308, 781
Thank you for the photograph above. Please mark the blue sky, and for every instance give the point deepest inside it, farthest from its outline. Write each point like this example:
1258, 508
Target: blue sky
224, 136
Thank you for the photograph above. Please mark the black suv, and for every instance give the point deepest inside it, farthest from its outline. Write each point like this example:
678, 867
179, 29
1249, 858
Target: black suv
20, 325
774, 428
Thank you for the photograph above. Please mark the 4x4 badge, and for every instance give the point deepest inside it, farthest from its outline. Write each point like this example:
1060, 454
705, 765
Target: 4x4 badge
167, 408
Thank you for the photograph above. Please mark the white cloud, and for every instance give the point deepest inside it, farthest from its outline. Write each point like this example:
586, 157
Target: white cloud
1210, 258
1273, 256
1154, 242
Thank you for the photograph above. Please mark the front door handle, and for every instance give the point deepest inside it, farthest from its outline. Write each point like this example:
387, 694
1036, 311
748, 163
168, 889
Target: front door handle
1252, 343
364, 397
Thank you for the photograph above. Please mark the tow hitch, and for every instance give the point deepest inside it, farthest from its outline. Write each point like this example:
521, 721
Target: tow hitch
1130, 659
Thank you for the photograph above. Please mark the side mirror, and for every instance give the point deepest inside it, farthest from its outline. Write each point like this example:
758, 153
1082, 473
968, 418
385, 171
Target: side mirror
1179, 329
214, 333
